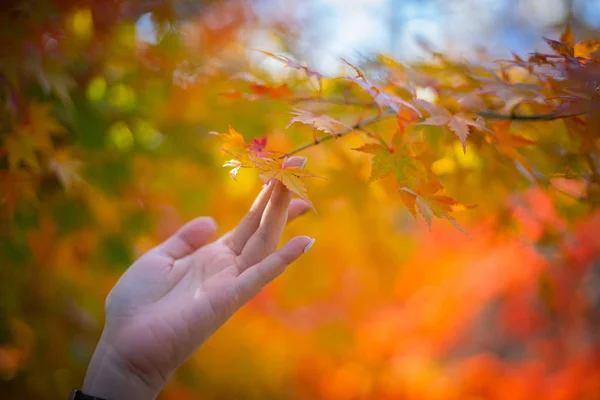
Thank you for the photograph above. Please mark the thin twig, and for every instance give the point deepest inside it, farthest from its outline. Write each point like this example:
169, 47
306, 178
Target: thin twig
357, 126
485, 114
533, 117
331, 100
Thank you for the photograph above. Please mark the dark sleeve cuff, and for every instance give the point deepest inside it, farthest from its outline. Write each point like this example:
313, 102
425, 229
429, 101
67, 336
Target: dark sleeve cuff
79, 395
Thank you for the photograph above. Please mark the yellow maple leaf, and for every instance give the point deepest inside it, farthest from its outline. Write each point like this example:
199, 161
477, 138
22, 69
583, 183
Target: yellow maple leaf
32, 136
290, 176
67, 169
21, 151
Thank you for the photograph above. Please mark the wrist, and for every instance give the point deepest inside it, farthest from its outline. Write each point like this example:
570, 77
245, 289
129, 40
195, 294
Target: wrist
110, 376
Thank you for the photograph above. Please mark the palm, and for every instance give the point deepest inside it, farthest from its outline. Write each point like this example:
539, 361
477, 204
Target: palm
178, 294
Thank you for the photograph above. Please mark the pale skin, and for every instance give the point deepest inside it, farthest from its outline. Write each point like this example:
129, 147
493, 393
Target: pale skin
174, 297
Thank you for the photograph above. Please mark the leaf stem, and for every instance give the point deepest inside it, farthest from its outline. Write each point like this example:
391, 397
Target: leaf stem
358, 126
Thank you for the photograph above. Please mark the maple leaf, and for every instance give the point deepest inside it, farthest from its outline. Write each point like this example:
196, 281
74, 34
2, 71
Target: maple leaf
319, 122
67, 169
290, 176
458, 123
244, 155
569, 48
381, 97
21, 151
567, 37
580, 98
408, 169
235, 167
398, 158
587, 48
565, 45
233, 94
510, 93
259, 88
56, 82
258, 146
274, 91
508, 144
233, 141
41, 124
235, 146
560, 48
32, 136
383, 161
293, 64
429, 202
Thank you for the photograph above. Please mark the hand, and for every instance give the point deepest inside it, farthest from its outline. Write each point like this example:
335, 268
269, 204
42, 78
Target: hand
179, 293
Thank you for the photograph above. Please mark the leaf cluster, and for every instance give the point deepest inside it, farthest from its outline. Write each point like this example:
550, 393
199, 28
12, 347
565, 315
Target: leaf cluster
497, 109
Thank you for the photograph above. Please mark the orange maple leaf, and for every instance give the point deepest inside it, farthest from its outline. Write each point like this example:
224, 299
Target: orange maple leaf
429, 202
32, 136
383, 98
458, 123
319, 122
67, 169
290, 176
508, 143
259, 88
235, 146
569, 48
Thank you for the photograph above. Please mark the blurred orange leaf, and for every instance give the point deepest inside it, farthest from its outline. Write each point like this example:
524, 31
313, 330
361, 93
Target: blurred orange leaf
319, 122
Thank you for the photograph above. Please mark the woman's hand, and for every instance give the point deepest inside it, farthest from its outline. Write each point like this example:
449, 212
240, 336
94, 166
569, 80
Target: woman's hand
179, 293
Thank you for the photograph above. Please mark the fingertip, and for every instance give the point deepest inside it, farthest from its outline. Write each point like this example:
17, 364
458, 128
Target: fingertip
208, 225
297, 208
210, 221
300, 204
309, 245
253, 279
189, 237
204, 224
295, 161
297, 246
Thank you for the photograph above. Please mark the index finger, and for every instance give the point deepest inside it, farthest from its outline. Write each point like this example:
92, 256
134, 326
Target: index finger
264, 241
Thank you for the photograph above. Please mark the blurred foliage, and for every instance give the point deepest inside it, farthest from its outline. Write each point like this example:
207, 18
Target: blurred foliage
104, 151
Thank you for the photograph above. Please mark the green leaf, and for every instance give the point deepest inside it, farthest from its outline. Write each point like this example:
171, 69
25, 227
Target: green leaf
116, 252
71, 215
383, 162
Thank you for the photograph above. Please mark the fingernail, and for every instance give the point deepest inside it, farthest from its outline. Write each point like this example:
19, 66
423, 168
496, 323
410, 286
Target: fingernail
309, 245
303, 163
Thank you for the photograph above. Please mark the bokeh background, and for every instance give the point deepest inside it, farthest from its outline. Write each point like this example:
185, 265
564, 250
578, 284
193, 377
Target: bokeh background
105, 151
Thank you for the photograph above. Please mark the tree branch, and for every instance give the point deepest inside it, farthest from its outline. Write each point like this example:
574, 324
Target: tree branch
331, 100
485, 113
362, 124
359, 125
532, 117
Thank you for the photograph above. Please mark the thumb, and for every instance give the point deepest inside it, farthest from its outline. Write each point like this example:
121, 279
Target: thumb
189, 238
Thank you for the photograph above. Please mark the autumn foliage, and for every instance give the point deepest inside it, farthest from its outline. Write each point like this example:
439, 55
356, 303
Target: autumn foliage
455, 204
